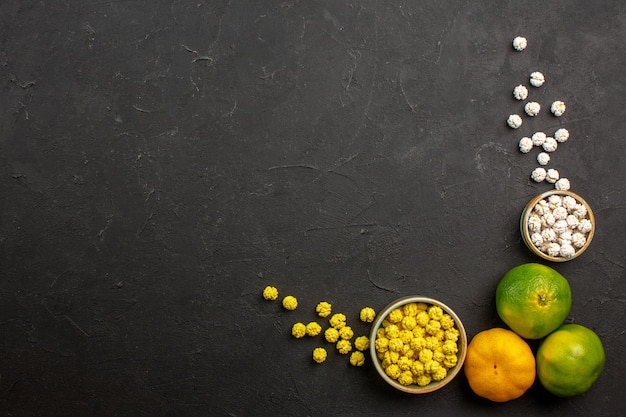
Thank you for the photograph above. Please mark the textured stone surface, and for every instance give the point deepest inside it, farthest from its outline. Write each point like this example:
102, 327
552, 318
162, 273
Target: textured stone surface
161, 162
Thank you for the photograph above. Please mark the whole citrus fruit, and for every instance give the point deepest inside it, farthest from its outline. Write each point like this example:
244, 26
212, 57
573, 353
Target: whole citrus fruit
499, 365
533, 300
570, 360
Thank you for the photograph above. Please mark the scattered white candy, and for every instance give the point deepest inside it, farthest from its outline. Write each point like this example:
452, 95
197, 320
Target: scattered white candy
525, 144
520, 92
537, 79
539, 174
557, 108
532, 108
552, 175
520, 43
514, 121
549, 145
562, 184
538, 138
561, 135
543, 158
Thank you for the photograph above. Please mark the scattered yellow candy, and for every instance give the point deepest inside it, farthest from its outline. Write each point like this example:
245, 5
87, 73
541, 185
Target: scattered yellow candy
319, 354
270, 293
313, 329
331, 335
290, 302
298, 330
361, 343
344, 346
338, 320
357, 358
346, 332
367, 315
323, 309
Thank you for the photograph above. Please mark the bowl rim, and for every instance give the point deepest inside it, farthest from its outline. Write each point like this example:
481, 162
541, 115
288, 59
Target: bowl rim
433, 386
526, 233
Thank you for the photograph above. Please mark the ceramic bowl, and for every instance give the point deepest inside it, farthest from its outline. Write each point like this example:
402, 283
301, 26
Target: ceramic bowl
434, 385
527, 233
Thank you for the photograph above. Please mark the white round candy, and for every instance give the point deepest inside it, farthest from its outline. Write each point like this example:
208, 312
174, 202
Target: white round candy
561, 135
538, 138
514, 121
562, 184
585, 226
520, 43
532, 108
557, 108
580, 211
565, 238
555, 200
543, 158
567, 251
560, 226
537, 79
520, 92
560, 213
553, 249
578, 240
525, 144
549, 145
537, 239
548, 235
572, 221
552, 175
569, 202
534, 223
539, 174
548, 219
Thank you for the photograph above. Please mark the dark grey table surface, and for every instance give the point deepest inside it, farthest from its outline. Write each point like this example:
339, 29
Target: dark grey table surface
161, 162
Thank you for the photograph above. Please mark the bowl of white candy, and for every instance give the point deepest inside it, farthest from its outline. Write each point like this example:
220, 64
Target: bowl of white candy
557, 225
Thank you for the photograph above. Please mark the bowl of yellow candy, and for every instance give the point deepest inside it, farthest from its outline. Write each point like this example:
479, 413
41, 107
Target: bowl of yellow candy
418, 344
